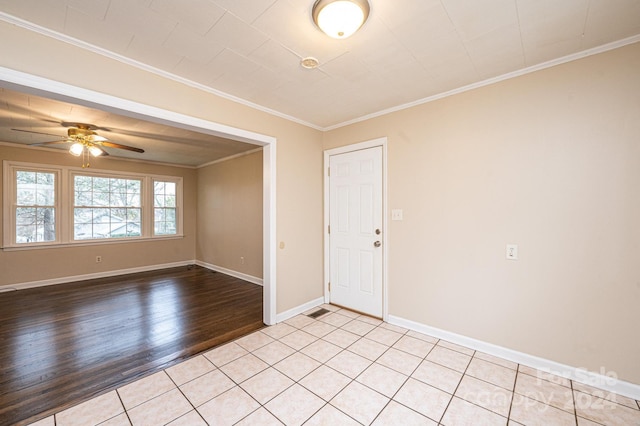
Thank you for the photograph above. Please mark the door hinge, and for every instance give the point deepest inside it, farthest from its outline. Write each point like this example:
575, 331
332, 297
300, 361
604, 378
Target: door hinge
329, 229
329, 171
329, 287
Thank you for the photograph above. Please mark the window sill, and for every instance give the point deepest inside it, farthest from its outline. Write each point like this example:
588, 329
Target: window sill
90, 243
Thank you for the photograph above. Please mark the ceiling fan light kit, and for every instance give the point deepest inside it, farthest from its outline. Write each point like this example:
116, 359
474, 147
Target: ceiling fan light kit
86, 148
85, 142
76, 149
340, 18
94, 150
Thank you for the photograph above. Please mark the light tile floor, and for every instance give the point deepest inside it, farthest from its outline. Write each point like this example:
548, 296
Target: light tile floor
347, 369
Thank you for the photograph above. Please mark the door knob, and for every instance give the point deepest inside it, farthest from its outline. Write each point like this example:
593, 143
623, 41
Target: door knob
377, 244
378, 231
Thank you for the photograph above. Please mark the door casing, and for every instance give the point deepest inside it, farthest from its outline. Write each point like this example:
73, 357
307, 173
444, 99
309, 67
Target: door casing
382, 142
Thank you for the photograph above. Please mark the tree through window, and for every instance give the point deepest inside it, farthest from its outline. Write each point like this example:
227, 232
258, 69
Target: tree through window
59, 206
35, 212
164, 203
106, 207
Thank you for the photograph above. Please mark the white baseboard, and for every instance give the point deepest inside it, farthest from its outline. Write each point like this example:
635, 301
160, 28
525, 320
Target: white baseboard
580, 375
299, 309
236, 274
105, 274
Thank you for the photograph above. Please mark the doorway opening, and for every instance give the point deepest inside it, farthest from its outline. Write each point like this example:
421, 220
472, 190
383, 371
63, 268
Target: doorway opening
28, 83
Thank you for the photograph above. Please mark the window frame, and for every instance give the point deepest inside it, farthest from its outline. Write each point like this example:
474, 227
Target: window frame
102, 174
65, 204
178, 207
10, 202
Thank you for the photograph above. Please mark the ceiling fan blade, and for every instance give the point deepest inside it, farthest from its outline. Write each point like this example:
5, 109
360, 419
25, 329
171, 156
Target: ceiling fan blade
117, 145
31, 131
49, 143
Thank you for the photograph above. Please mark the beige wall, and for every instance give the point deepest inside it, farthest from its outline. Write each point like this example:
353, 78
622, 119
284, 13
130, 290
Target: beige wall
299, 148
230, 214
549, 161
23, 266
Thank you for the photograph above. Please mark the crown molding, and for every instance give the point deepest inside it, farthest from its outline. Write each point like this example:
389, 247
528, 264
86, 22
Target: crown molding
528, 70
128, 61
10, 19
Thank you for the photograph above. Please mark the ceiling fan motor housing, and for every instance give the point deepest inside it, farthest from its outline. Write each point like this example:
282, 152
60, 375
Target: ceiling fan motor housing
78, 133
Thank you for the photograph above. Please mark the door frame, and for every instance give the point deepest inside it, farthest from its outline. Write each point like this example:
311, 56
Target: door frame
40, 86
381, 142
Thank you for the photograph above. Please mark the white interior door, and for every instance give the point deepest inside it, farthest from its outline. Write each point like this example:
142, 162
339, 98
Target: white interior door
355, 236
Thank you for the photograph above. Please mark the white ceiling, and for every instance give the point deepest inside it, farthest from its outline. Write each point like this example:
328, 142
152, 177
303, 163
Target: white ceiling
408, 50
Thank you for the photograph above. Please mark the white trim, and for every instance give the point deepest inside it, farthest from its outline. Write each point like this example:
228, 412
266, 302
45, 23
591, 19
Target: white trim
385, 228
299, 309
128, 61
231, 157
30, 26
528, 70
40, 86
53, 89
10, 205
105, 274
580, 375
269, 233
231, 272
64, 205
109, 158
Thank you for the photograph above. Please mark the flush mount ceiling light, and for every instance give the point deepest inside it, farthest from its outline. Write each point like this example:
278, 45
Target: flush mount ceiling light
340, 18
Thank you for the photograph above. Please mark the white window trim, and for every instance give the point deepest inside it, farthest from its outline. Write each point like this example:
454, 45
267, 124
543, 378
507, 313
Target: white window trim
10, 203
65, 204
179, 204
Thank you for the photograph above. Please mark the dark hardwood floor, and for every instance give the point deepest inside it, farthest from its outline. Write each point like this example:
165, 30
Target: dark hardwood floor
63, 344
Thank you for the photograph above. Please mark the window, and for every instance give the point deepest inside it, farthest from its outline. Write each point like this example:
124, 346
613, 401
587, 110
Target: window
45, 205
34, 206
106, 207
164, 208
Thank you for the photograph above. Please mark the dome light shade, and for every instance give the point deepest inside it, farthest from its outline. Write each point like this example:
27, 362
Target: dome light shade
76, 149
340, 18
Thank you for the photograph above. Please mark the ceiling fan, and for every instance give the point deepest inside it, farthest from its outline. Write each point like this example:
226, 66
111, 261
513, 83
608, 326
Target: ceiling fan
85, 141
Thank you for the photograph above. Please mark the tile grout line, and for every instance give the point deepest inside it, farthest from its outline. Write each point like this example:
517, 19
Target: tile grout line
360, 337
409, 376
355, 378
515, 383
373, 362
325, 403
453, 395
239, 385
182, 393
573, 398
126, 412
352, 380
295, 382
405, 382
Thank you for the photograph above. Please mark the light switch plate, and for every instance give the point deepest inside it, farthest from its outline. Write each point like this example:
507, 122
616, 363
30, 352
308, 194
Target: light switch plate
512, 252
396, 214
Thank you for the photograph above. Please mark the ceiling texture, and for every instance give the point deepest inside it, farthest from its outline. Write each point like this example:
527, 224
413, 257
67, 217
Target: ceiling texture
408, 52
